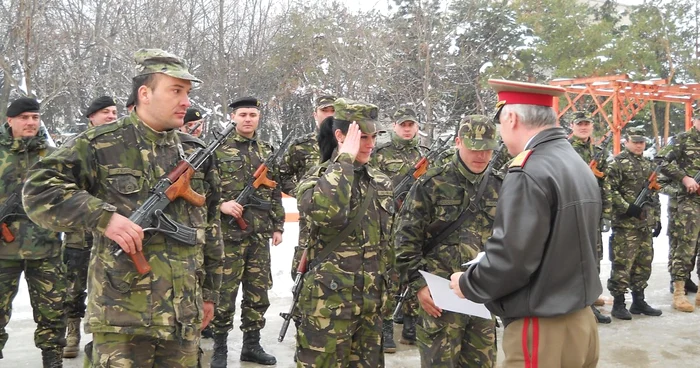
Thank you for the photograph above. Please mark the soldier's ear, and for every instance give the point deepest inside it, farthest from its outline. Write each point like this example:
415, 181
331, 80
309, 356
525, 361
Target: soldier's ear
339, 136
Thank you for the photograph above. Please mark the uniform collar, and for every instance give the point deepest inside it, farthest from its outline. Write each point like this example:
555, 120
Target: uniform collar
401, 143
463, 171
165, 138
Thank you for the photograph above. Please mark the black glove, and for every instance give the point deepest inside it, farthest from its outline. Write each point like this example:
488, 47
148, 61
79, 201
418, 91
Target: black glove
636, 211
657, 229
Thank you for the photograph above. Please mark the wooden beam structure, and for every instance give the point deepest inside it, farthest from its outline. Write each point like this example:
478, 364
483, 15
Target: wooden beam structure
627, 98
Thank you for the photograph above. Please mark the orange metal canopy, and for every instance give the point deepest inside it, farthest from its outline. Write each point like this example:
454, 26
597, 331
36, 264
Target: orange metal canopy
627, 98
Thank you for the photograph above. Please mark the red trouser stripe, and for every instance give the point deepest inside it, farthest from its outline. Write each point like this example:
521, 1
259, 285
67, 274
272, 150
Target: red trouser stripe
535, 340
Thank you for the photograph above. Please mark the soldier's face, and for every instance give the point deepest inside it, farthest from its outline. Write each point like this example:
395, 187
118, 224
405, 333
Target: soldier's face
583, 129
104, 116
476, 160
696, 123
247, 119
406, 129
635, 147
188, 127
164, 105
322, 114
367, 143
25, 124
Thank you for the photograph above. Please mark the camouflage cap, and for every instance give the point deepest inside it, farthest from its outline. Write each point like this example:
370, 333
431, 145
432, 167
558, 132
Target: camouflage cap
325, 101
581, 116
405, 114
478, 132
149, 61
636, 134
365, 114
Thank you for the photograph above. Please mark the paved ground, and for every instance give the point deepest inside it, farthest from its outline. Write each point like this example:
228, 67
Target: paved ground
670, 340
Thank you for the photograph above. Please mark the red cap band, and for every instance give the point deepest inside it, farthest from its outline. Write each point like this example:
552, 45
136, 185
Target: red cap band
517, 97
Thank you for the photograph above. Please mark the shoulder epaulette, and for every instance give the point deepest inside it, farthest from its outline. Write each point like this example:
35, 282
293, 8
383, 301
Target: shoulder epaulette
520, 159
431, 173
95, 132
382, 146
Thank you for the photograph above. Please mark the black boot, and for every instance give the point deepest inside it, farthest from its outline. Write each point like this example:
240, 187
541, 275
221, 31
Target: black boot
690, 286
639, 306
253, 352
220, 356
388, 344
408, 334
52, 358
619, 310
600, 317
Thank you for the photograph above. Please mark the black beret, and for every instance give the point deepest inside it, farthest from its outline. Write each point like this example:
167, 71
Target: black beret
192, 115
22, 104
131, 101
245, 102
99, 104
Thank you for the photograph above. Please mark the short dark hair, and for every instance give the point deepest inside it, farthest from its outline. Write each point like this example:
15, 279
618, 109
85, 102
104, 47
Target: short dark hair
148, 80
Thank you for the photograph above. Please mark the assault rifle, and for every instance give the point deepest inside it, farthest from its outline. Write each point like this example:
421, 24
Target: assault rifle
10, 208
191, 130
445, 231
651, 183
599, 156
174, 185
419, 168
296, 290
246, 197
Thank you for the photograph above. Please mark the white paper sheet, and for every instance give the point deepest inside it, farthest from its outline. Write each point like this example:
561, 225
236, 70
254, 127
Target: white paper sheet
475, 260
446, 299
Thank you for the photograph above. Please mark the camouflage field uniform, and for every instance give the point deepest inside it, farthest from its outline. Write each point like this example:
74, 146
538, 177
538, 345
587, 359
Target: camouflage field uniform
35, 251
395, 159
112, 168
631, 250
438, 199
686, 221
247, 253
587, 151
76, 255
301, 156
343, 294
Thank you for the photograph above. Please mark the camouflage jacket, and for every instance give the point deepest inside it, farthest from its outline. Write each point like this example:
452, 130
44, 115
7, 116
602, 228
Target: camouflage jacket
350, 281
77, 240
396, 157
237, 159
587, 150
112, 168
626, 176
435, 201
17, 155
302, 155
686, 147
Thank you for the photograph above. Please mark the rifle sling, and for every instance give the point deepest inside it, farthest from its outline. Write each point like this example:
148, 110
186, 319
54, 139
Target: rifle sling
449, 229
331, 247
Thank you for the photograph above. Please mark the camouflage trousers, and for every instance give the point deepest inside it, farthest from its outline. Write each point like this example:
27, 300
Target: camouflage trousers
47, 288
329, 342
246, 262
112, 350
599, 249
455, 340
77, 262
631, 253
393, 291
684, 240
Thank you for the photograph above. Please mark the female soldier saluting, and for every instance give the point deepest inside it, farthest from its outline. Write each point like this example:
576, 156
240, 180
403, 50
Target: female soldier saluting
349, 207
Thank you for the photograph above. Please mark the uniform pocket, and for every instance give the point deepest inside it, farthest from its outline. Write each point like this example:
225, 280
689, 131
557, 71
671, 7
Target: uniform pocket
126, 298
329, 294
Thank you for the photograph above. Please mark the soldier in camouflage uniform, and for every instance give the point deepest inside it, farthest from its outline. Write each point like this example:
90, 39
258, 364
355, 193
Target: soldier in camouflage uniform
631, 249
301, 156
34, 251
101, 177
395, 159
682, 168
343, 292
193, 123
449, 339
246, 252
76, 246
582, 143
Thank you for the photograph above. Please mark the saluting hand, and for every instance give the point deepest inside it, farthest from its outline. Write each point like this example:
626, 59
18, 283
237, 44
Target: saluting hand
427, 303
351, 143
232, 208
127, 234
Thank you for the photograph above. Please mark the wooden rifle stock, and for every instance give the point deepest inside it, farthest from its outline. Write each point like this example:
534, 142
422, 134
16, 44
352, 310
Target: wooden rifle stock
140, 262
260, 178
181, 186
421, 167
594, 168
7, 235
